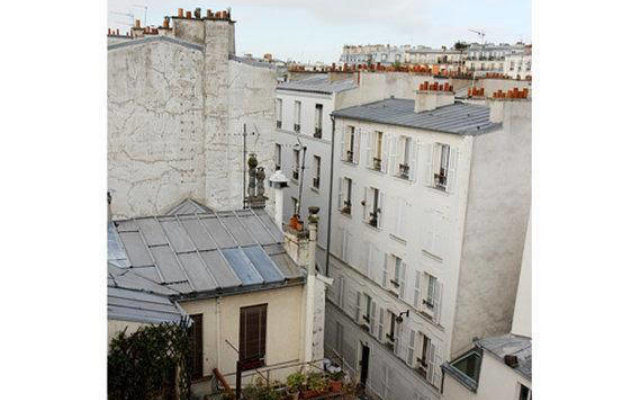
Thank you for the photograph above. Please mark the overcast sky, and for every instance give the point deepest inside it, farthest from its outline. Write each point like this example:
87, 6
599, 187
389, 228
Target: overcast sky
314, 30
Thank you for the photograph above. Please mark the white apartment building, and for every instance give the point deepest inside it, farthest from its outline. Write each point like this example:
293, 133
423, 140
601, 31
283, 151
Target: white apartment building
492, 58
429, 212
518, 66
498, 368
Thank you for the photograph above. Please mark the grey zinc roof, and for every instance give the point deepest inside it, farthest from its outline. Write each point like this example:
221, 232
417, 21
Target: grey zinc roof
318, 84
510, 344
459, 118
132, 297
189, 206
204, 254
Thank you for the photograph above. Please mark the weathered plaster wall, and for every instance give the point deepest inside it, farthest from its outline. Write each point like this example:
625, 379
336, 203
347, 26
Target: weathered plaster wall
495, 226
155, 127
522, 312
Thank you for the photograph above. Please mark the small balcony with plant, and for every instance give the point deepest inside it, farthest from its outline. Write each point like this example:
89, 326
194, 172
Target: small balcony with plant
346, 207
403, 171
376, 164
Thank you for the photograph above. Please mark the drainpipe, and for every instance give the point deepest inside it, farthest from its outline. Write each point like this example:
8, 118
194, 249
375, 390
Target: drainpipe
330, 209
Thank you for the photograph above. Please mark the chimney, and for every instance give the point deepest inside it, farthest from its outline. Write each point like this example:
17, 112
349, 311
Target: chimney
137, 31
514, 101
430, 96
278, 182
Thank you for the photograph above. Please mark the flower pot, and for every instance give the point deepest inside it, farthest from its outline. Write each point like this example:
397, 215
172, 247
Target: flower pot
309, 394
335, 386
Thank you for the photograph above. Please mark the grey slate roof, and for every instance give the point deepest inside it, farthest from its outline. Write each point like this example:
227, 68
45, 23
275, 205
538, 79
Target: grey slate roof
131, 297
204, 254
519, 346
459, 118
318, 84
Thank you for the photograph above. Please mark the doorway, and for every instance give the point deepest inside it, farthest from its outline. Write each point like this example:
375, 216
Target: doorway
364, 365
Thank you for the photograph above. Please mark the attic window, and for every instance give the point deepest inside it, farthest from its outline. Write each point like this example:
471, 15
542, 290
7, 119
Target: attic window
469, 365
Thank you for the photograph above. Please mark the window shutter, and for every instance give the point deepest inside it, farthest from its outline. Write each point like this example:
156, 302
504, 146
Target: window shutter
403, 279
413, 159
438, 239
411, 348
385, 153
437, 301
341, 183
346, 250
343, 144
395, 215
358, 308
367, 203
393, 155
381, 214
437, 373
373, 326
385, 270
381, 312
417, 300
452, 169
431, 357
428, 164
356, 146
367, 153
397, 348
366, 257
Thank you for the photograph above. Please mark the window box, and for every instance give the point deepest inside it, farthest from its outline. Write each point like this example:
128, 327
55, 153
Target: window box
440, 180
377, 164
373, 220
404, 171
349, 156
278, 124
318, 133
296, 128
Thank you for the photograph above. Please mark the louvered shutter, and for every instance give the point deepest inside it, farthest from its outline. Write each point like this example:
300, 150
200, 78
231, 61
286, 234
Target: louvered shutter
385, 270
411, 348
367, 204
417, 298
341, 193
358, 308
356, 146
403, 279
393, 155
437, 373
437, 301
413, 159
437, 245
346, 250
366, 257
384, 153
452, 170
372, 325
428, 164
380, 211
399, 341
367, 153
343, 144
381, 312
431, 354
395, 215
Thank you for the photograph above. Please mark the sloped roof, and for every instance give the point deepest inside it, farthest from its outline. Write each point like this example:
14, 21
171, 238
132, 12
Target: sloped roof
510, 344
189, 206
204, 254
131, 297
318, 84
458, 118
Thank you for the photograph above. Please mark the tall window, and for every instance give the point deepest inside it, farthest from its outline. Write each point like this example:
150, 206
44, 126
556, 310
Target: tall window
344, 201
391, 334
366, 315
432, 282
278, 113
296, 164
318, 124
294, 204
349, 144
404, 151
278, 156
372, 206
441, 174
525, 393
424, 356
316, 179
253, 336
377, 151
297, 106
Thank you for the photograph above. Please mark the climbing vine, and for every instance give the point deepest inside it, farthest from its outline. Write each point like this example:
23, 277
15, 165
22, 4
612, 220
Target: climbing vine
152, 363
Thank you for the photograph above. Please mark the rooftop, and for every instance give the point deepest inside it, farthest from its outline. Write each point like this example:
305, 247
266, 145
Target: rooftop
318, 84
459, 118
204, 254
510, 344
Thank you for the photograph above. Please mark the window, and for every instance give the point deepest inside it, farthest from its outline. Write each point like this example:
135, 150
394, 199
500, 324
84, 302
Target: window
512, 65
318, 125
344, 200
296, 164
195, 338
296, 116
376, 161
253, 335
411, 347
469, 364
367, 308
441, 165
525, 393
391, 334
316, 179
441, 174
405, 157
349, 145
424, 355
372, 203
278, 113
278, 157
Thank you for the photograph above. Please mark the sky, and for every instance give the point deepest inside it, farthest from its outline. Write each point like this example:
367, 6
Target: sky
315, 30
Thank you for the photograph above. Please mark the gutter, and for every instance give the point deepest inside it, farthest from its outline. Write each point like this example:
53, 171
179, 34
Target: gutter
333, 138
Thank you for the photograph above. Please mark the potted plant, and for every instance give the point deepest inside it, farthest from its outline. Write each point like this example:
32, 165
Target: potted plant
295, 382
316, 385
335, 382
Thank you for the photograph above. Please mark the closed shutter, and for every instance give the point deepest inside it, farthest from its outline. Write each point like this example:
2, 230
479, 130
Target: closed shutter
395, 215
372, 325
411, 348
417, 298
385, 153
452, 170
413, 159
341, 292
339, 337
431, 354
403, 279
346, 250
437, 373
356, 146
343, 144
368, 203
428, 164
368, 154
385, 270
437, 301
358, 307
340, 193
393, 155
437, 247
337, 244
381, 312
399, 340
380, 211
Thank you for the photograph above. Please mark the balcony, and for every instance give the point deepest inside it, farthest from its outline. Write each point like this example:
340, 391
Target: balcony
318, 133
296, 128
316, 182
278, 124
403, 171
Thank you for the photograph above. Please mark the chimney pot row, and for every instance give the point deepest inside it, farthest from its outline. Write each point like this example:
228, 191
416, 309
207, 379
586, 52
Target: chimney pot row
180, 12
511, 94
446, 87
475, 92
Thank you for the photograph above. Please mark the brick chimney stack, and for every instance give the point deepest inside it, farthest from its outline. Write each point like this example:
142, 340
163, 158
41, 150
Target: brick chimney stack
430, 96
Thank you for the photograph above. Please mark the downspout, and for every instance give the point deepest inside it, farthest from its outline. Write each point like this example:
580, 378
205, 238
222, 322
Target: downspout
330, 209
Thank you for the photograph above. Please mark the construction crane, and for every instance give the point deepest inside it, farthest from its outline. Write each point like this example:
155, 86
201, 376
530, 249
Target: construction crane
480, 33
145, 12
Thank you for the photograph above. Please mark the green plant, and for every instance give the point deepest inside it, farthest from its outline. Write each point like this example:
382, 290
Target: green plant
261, 390
295, 381
316, 382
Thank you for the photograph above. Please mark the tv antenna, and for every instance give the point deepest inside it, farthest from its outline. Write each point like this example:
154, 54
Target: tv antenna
128, 15
145, 12
481, 34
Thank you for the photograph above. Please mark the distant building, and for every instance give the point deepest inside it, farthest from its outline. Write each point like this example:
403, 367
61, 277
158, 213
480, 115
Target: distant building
429, 211
499, 367
491, 58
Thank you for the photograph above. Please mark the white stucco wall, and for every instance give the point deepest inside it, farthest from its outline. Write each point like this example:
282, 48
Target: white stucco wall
522, 313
